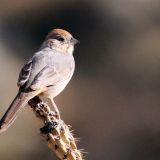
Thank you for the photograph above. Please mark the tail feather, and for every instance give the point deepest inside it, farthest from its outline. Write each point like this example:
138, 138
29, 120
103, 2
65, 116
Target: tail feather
18, 103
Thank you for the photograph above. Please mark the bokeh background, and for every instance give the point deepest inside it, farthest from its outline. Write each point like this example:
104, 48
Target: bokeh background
113, 100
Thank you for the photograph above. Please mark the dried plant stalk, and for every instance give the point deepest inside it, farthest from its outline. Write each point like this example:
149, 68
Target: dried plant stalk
59, 137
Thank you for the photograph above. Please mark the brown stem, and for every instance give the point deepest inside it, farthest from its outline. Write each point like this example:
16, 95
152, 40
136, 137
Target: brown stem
58, 135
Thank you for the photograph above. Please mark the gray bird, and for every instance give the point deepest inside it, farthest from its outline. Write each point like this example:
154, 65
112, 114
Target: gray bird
46, 74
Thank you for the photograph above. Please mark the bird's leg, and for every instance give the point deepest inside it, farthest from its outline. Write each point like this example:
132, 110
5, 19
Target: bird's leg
56, 110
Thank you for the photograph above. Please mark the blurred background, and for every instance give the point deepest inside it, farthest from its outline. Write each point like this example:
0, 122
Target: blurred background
113, 99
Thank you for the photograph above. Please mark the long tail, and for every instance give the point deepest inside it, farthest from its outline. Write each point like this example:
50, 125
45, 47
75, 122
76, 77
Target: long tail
18, 103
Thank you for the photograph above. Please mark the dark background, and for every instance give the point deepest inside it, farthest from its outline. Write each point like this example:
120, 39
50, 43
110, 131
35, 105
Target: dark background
112, 101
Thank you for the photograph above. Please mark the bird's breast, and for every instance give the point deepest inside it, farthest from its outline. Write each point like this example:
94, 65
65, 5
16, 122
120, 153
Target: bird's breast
53, 91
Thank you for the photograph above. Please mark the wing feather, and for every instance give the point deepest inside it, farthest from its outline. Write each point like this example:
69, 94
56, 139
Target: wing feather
50, 76
25, 73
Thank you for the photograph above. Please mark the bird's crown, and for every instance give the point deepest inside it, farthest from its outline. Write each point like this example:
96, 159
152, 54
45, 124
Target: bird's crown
56, 32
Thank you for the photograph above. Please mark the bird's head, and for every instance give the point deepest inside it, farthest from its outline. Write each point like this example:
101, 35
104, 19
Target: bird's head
61, 40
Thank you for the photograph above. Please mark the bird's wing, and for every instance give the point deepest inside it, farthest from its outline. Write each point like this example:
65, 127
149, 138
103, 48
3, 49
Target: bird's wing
51, 75
25, 73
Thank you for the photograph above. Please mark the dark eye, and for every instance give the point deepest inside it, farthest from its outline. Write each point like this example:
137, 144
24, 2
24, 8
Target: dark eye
61, 39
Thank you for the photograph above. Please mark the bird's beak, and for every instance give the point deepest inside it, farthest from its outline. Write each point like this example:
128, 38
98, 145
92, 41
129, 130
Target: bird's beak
74, 41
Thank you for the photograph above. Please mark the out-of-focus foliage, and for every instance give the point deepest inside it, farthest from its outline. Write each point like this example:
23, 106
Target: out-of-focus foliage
112, 102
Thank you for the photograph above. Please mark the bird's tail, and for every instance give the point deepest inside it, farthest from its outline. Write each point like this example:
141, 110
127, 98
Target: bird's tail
18, 103
11, 113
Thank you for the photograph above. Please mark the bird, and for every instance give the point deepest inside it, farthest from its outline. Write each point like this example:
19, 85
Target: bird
45, 74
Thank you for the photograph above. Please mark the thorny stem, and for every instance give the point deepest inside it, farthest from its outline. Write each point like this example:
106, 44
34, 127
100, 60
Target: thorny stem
59, 137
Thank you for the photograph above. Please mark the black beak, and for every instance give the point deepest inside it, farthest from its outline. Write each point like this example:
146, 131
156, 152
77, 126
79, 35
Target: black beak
74, 41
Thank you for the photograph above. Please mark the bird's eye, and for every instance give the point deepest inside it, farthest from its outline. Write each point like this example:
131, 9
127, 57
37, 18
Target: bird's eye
61, 39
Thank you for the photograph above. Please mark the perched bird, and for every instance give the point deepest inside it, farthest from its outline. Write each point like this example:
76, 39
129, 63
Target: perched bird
46, 73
